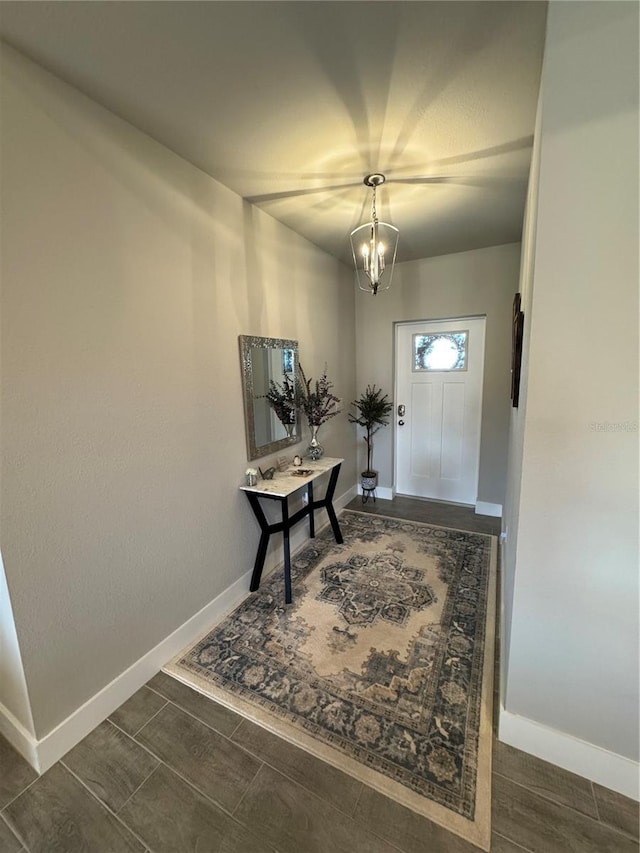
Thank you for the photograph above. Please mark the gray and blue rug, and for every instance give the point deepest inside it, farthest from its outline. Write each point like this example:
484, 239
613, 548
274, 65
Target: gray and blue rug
382, 665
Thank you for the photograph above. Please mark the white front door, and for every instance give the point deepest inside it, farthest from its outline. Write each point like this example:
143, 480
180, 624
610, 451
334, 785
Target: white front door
439, 372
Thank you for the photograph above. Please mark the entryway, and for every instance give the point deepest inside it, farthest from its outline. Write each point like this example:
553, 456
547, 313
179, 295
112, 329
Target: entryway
438, 407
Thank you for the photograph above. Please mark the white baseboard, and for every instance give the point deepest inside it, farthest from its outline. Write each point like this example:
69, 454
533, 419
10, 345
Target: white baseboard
345, 498
22, 740
43, 753
383, 492
486, 508
592, 762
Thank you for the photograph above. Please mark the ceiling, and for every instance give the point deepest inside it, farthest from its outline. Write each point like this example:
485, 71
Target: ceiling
291, 104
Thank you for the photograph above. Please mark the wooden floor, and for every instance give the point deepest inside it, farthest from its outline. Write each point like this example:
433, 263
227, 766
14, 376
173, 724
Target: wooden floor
173, 771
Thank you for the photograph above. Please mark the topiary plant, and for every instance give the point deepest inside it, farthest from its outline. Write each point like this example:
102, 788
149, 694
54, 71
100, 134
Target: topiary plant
372, 412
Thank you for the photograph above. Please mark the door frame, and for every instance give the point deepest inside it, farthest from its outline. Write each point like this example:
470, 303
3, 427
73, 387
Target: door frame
396, 325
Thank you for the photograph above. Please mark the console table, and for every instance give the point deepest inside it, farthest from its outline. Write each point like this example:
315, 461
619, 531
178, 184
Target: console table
280, 488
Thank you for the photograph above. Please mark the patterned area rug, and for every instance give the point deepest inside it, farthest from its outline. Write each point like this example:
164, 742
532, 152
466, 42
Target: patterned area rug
382, 665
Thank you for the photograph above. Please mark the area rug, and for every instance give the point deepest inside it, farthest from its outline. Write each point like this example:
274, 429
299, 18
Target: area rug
382, 665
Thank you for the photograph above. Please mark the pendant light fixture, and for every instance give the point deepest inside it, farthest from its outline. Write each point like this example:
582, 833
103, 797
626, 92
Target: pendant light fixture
374, 246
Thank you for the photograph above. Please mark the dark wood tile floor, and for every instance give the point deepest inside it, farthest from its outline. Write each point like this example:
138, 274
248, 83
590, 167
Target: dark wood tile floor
173, 772
431, 512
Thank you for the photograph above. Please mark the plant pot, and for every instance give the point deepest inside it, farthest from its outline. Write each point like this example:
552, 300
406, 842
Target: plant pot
368, 480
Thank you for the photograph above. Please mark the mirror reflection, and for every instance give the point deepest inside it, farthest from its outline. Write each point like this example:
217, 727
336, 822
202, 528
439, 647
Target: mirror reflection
269, 367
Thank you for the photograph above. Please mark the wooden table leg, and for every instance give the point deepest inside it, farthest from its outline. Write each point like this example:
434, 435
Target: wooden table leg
328, 505
264, 540
312, 523
287, 551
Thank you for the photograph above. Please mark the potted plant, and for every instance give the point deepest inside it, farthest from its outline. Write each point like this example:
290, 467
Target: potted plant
372, 412
319, 403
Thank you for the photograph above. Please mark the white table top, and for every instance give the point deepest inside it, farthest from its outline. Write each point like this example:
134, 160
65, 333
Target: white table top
285, 483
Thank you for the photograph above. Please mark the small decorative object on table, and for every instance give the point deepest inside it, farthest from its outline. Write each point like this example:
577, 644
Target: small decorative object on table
319, 404
268, 474
251, 476
372, 412
297, 461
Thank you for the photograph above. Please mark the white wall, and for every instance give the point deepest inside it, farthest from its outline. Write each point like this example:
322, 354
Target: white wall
480, 282
510, 515
573, 652
127, 277
14, 698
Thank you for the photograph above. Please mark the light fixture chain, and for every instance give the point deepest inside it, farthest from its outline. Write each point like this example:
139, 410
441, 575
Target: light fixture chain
374, 213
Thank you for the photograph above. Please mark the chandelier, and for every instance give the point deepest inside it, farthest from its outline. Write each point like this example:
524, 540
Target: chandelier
374, 246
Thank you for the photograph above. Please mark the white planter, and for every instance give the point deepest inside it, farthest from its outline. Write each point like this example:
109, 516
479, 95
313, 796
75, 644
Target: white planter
368, 483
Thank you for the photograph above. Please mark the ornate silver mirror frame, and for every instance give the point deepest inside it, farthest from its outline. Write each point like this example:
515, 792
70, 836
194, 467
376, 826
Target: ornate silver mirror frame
263, 360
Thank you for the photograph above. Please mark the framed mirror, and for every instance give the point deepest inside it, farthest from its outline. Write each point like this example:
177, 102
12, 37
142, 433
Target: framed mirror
268, 365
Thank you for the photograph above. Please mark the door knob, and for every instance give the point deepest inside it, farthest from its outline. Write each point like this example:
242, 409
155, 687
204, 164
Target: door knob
401, 411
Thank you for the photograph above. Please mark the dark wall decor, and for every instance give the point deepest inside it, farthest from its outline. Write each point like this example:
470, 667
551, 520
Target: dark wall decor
517, 328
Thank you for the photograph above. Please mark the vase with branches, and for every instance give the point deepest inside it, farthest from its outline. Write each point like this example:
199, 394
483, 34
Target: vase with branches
372, 411
319, 404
